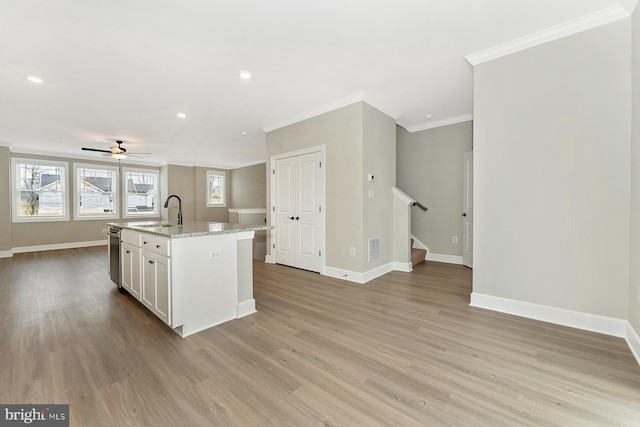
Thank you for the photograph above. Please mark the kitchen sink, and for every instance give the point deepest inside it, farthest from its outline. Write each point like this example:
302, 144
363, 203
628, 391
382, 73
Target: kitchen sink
155, 225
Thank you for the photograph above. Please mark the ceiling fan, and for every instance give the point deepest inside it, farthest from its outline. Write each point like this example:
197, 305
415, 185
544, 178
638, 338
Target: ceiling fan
117, 152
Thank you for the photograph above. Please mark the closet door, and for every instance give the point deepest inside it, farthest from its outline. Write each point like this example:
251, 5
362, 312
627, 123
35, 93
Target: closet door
298, 211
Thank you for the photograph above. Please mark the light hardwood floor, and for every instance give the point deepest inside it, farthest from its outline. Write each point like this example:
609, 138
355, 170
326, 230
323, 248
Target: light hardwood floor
402, 350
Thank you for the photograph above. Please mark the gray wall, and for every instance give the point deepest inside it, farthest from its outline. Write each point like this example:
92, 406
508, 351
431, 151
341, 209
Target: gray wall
379, 159
5, 197
343, 132
190, 183
430, 168
249, 186
57, 232
552, 173
634, 248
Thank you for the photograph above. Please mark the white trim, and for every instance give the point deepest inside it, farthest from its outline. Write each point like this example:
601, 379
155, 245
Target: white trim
271, 257
449, 259
57, 246
6, 254
560, 316
633, 341
343, 102
15, 190
207, 190
586, 22
125, 193
360, 278
405, 267
404, 197
246, 307
248, 211
440, 123
115, 183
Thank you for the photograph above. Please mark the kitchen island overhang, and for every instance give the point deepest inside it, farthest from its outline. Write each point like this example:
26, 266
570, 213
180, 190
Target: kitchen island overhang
192, 276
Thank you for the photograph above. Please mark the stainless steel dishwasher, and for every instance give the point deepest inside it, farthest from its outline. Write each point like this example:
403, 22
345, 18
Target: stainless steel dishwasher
114, 255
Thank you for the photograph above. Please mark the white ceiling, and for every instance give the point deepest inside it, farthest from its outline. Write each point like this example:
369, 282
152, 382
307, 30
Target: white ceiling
122, 69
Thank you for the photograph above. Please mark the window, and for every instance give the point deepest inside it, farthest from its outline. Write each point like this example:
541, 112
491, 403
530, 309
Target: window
96, 191
39, 190
215, 189
141, 190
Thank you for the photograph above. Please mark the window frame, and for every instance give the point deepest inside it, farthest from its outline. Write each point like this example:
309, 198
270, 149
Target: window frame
16, 190
114, 214
208, 189
125, 193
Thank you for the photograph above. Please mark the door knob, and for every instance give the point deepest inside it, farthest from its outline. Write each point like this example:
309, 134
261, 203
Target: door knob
290, 217
464, 214
297, 218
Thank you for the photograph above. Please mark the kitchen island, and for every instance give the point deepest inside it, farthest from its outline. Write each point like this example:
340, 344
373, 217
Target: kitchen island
192, 276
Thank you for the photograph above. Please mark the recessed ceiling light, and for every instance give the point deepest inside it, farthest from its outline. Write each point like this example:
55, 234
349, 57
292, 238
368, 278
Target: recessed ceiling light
34, 79
428, 116
181, 115
245, 75
244, 134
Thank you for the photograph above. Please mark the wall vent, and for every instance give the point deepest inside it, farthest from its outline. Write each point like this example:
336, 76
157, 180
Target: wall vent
374, 249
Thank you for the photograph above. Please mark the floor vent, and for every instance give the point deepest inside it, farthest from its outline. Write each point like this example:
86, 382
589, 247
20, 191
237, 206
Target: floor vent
374, 248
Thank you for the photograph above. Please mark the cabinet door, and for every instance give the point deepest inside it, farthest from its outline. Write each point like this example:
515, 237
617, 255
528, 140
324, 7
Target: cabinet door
162, 307
156, 285
131, 277
148, 280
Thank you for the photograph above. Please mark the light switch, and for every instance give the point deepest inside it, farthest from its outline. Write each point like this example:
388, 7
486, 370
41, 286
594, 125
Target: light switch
372, 194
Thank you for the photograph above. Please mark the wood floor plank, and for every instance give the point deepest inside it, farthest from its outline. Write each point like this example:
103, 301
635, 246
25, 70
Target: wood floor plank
404, 349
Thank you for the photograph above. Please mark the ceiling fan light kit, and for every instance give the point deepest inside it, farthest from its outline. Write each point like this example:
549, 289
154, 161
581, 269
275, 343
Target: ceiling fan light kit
117, 152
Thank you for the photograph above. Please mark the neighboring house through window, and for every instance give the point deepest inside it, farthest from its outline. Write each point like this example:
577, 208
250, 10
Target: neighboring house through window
141, 190
216, 186
96, 190
39, 190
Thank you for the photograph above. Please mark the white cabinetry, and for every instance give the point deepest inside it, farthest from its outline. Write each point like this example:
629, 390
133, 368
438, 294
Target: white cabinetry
131, 267
156, 285
131, 272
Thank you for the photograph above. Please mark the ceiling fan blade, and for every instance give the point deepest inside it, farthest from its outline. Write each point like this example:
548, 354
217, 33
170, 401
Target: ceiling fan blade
96, 149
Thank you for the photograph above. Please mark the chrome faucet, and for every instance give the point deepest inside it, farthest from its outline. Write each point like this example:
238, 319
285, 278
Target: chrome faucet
166, 205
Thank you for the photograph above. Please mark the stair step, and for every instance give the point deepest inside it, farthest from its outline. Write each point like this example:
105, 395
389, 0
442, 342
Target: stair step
417, 255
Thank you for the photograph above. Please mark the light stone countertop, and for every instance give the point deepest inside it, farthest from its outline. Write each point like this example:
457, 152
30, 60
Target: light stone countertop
190, 229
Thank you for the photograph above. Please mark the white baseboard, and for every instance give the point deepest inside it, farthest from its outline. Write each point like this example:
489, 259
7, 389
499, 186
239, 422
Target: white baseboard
246, 308
360, 278
449, 259
633, 341
560, 316
6, 254
403, 266
57, 246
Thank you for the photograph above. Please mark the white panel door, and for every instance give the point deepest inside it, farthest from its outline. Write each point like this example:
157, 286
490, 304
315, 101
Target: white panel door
467, 211
298, 211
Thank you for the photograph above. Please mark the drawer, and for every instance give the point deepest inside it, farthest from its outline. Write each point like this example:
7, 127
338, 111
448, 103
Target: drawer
157, 245
130, 237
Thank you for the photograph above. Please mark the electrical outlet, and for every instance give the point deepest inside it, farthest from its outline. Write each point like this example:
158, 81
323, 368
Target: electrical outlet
352, 251
454, 239
104, 231
638, 293
372, 194
215, 254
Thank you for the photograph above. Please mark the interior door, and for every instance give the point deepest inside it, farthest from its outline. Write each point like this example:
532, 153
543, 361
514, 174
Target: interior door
298, 186
467, 211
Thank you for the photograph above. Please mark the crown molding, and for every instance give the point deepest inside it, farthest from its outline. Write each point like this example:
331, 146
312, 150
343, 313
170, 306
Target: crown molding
586, 22
343, 102
440, 123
